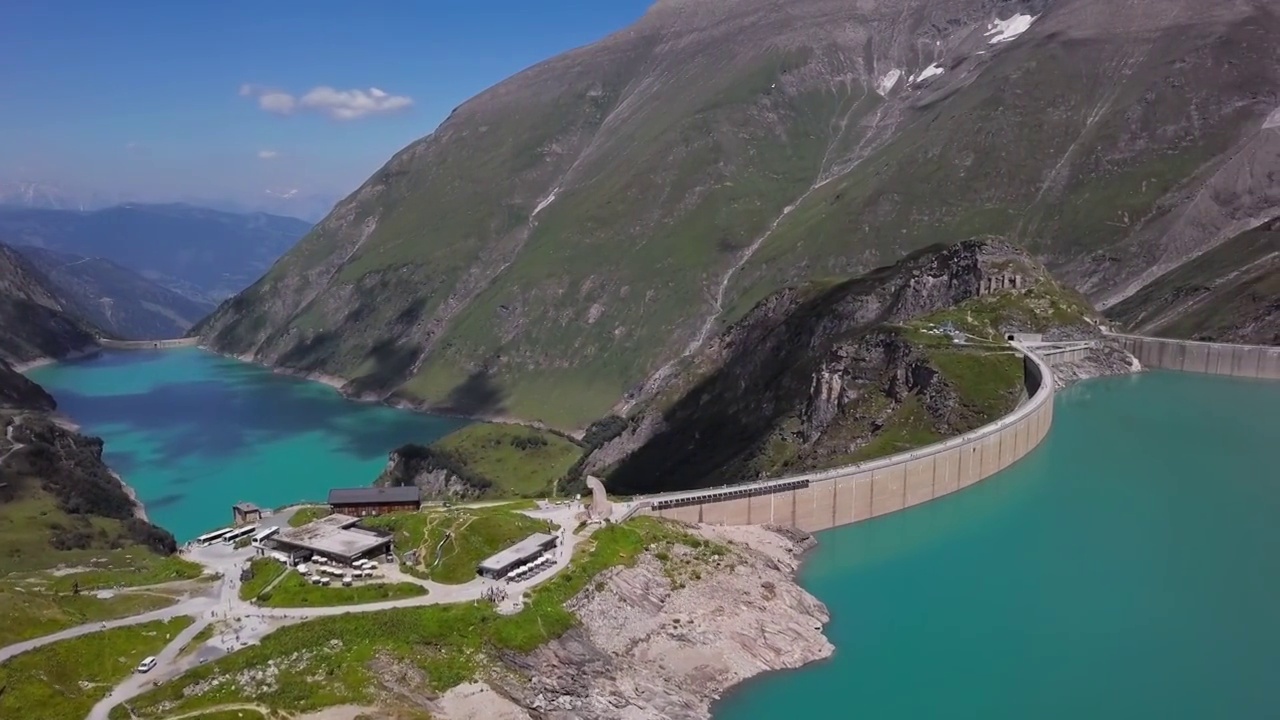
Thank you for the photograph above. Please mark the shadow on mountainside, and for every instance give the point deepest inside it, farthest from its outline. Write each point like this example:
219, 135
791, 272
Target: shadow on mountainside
479, 395
714, 431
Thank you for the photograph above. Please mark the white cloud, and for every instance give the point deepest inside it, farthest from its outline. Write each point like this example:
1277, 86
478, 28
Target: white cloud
337, 104
133, 146
267, 154
352, 104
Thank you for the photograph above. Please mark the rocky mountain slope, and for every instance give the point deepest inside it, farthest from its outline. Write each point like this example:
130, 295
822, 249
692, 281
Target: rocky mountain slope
1230, 293
587, 224
119, 301
827, 374
206, 255
34, 321
665, 638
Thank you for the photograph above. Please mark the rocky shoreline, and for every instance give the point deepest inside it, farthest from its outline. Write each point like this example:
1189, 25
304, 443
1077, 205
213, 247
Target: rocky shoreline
79, 354
666, 637
1102, 361
139, 510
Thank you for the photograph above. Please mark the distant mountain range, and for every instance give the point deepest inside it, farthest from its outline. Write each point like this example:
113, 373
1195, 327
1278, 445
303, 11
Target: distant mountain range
289, 202
119, 301
202, 254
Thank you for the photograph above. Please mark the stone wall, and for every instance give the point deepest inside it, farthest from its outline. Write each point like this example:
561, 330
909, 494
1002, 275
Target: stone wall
820, 500
1252, 361
148, 344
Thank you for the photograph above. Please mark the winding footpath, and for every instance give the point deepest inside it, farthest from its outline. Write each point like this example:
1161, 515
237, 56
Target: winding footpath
220, 603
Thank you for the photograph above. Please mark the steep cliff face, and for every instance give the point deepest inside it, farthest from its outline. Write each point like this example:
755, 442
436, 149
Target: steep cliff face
826, 375
19, 393
437, 474
584, 226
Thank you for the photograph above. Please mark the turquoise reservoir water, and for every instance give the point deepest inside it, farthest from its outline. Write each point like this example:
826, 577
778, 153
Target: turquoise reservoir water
193, 432
1129, 568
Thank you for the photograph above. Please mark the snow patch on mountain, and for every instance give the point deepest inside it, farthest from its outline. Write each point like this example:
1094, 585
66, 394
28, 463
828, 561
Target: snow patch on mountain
887, 81
1006, 30
925, 74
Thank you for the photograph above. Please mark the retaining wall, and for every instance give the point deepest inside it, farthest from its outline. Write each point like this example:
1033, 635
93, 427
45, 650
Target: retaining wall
821, 500
1054, 357
148, 344
1252, 361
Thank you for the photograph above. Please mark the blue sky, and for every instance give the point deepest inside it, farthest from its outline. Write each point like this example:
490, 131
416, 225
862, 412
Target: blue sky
228, 98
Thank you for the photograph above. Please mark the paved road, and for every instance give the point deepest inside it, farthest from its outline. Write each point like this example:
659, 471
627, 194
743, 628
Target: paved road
220, 602
8, 433
193, 606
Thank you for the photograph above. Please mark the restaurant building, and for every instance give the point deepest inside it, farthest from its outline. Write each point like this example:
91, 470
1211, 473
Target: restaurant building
367, 501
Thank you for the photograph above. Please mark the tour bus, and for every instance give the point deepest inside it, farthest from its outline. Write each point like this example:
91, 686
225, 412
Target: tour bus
257, 539
210, 538
231, 537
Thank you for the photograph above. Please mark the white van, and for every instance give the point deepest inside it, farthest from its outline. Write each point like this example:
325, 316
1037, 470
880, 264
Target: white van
147, 664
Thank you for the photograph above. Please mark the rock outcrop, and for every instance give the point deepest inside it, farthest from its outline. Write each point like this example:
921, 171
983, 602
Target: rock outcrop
666, 637
826, 374
1104, 360
433, 471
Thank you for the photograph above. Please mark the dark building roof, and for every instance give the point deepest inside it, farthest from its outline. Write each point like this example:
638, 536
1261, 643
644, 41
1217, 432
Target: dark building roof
375, 495
246, 507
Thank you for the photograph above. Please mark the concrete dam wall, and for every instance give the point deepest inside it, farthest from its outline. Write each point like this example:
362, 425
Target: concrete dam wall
1251, 361
148, 344
820, 500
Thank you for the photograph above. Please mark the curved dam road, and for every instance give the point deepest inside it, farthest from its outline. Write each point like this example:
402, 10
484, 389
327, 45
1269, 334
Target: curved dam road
844, 495
840, 496
109, 344
1248, 361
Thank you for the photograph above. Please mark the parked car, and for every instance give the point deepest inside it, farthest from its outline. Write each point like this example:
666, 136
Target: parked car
148, 663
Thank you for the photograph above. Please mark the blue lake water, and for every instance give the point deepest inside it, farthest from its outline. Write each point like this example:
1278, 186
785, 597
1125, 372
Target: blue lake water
1129, 568
194, 433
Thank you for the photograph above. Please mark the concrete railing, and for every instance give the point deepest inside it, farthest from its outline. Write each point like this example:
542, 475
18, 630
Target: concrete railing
148, 344
839, 496
1252, 361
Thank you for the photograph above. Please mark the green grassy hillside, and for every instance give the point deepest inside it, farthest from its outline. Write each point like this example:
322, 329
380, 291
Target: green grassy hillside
567, 234
485, 460
519, 460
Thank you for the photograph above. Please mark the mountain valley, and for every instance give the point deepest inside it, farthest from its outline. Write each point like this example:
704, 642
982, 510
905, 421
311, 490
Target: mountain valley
202, 254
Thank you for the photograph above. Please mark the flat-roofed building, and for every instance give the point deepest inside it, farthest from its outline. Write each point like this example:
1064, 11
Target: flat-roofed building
363, 502
243, 513
522, 552
334, 537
